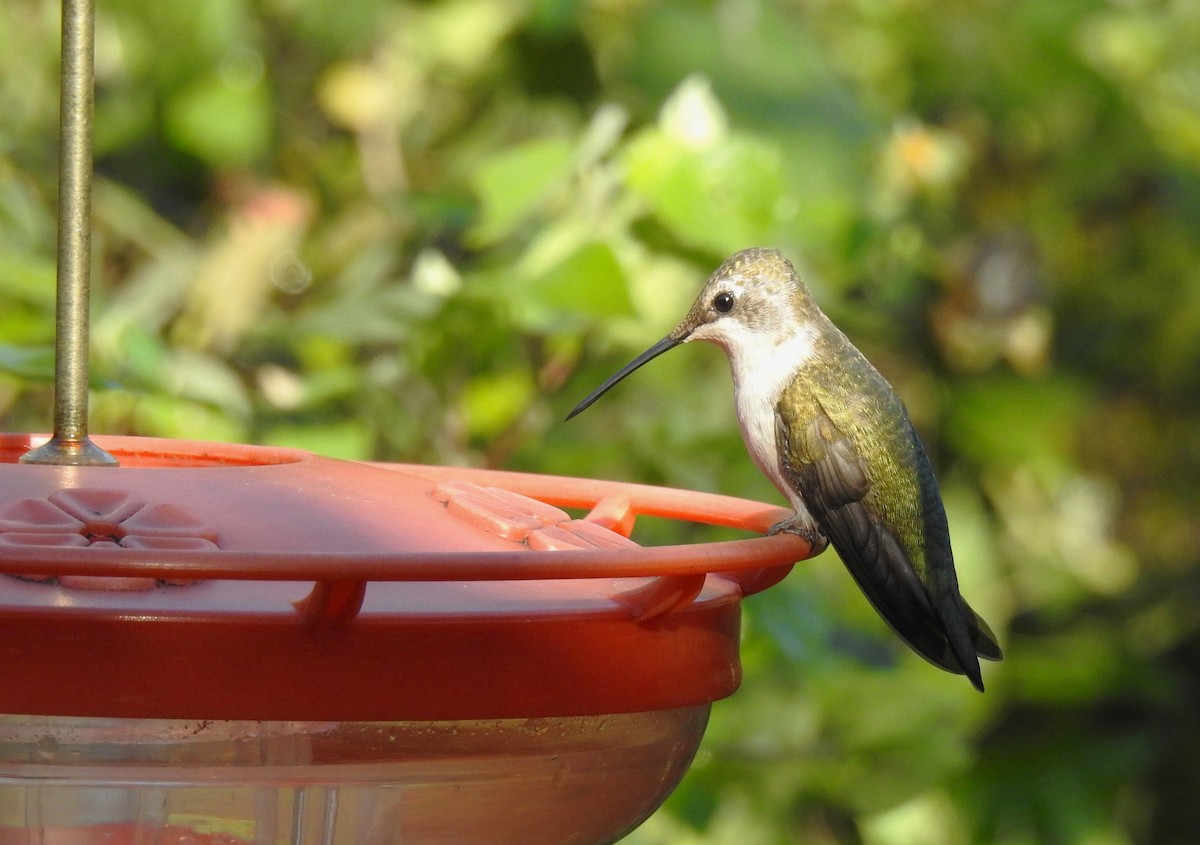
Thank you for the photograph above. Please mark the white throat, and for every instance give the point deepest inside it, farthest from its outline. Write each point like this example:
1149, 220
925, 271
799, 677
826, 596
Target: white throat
762, 366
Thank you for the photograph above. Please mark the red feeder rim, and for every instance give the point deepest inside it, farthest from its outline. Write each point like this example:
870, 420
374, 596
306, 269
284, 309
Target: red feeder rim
221, 581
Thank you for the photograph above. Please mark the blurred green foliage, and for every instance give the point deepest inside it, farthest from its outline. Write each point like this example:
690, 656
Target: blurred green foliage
422, 231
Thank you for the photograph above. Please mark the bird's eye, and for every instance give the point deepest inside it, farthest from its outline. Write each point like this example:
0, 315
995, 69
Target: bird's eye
723, 302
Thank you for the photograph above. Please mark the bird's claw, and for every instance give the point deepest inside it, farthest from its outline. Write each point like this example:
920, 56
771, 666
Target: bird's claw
794, 524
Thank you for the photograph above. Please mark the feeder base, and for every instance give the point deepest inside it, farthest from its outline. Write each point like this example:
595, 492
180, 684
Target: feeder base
584, 779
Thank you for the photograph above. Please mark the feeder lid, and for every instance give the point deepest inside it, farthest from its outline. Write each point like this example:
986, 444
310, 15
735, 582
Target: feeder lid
218, 581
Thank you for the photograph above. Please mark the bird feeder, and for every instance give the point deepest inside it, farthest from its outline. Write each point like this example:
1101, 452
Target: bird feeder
216, 643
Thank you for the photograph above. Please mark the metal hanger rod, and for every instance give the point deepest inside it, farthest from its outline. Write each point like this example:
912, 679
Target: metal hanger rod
70, 443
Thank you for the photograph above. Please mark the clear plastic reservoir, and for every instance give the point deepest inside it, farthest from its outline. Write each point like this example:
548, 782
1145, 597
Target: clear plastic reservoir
89, 781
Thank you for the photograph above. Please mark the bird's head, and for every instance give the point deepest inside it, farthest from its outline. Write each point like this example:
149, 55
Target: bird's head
749, 306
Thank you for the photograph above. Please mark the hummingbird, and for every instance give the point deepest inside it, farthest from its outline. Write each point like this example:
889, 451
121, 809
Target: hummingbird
836, 440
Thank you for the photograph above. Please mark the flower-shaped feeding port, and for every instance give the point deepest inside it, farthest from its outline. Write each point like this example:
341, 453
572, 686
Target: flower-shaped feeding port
99, 518
361, 646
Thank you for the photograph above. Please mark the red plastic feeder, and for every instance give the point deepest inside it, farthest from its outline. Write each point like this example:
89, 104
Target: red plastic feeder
241, 644
231, 644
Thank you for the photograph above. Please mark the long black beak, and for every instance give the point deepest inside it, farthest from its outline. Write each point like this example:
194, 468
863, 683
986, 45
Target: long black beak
650, 354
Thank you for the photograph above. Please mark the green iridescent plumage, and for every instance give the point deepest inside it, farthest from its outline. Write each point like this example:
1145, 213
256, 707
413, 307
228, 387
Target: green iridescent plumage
848, 447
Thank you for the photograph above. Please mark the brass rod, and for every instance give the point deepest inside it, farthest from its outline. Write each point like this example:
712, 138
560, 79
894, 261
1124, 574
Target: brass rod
70, 443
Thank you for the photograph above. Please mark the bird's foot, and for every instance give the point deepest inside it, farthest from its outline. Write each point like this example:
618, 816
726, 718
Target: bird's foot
802, 525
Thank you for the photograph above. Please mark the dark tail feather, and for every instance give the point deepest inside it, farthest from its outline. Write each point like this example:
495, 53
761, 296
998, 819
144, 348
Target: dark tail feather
943, 630
968, 638
986, 645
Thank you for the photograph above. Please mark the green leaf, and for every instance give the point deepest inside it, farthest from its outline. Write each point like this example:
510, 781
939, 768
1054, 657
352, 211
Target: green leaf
198, 377
224, 124
28, 277
589, 283
514, 183
721, 198
349, 440
492, 403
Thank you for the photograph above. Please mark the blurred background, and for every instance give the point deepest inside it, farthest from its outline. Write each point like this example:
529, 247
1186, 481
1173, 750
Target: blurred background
423, 231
